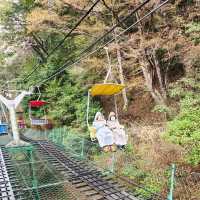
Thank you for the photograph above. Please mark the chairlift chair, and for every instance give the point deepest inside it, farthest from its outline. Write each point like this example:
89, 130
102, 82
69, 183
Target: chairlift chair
105, 89
37, 104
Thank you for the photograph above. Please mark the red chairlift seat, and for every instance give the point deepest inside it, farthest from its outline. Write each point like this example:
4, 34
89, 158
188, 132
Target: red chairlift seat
37, 103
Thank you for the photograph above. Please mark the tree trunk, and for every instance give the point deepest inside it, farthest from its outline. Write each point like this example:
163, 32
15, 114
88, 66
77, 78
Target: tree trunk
149, 83
149, 67
159, 75
109, 68
122, 78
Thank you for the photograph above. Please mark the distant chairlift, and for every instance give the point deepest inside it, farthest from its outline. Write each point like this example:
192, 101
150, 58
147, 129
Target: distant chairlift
36, 121
37, 104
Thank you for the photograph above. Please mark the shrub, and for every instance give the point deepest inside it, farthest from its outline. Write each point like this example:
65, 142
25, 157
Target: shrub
184, 129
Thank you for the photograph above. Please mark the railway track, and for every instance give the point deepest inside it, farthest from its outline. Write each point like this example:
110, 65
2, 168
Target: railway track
10, 185
90, 182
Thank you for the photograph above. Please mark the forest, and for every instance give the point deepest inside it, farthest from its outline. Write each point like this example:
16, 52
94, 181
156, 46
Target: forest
63, 47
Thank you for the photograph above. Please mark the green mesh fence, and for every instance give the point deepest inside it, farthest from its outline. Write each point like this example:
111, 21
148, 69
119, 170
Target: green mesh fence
38, 180
126, 166
73, 143
69, 141
187, 184
133, 172
153, 184
147, 183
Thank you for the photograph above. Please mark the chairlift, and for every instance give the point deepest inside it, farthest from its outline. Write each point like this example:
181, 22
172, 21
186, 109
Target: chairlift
104, 89
36, 104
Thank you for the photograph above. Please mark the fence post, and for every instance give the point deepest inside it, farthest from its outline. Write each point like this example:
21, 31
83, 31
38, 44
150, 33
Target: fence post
172, 180
82, 148
113, 163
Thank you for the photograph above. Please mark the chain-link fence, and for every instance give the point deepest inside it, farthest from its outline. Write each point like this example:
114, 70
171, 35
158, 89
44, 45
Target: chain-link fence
136, 173
122, 164
37, 179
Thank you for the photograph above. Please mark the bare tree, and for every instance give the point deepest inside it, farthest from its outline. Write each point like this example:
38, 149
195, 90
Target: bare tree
154, 77
121, 76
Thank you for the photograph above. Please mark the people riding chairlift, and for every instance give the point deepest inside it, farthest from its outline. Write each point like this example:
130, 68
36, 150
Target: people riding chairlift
119, 135
103, 133
100, 129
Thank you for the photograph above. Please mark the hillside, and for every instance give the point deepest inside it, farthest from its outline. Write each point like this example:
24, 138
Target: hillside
157, 57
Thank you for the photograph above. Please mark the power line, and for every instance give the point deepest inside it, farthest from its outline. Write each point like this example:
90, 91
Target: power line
34, 69
108, 32
104, 35
66, 36
65, 66
77, 24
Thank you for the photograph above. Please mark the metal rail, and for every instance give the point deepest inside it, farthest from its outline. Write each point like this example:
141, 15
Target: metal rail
10, 188
6, 192
83, 177
90, 181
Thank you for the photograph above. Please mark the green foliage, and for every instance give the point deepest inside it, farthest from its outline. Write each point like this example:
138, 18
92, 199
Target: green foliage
69, 101
152, 184
129, 149
133, 172
165, 110
193, 30
184, 128
5, 9
195, 152
193, 27
161, 109
176, 92
27, 4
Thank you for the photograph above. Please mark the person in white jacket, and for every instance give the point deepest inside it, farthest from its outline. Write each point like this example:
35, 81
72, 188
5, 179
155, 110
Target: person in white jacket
103, 133
119, 135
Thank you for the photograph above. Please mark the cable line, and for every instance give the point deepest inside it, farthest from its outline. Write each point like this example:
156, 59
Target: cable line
66, 36
34, 69
65, 66
104, 35
109, 31
77, 24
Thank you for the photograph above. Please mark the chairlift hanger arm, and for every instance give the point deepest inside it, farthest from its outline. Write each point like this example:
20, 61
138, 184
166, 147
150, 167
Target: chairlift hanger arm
20, 97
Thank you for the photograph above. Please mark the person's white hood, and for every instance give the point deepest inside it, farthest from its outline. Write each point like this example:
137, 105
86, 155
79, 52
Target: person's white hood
112, 114
97, 115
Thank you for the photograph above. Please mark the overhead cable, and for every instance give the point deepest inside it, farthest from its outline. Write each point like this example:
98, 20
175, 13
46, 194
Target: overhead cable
65, 66
66, 36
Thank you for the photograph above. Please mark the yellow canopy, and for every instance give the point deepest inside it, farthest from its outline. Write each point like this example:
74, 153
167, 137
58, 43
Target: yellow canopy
106, 89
